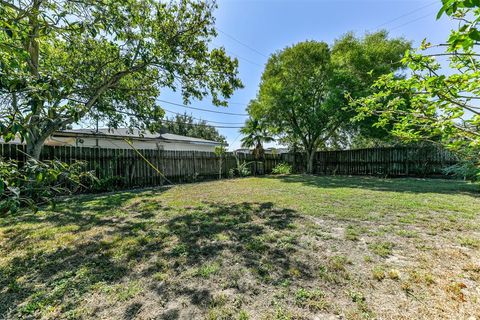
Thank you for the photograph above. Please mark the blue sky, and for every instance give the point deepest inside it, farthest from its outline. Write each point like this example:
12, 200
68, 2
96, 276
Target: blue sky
252, 30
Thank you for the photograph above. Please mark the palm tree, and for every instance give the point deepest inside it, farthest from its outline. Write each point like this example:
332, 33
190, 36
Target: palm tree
255, 135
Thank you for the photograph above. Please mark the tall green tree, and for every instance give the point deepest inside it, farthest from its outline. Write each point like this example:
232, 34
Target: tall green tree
256, 134
436, 102
359, 62
186, 125
297, 96
64, 61
302, 95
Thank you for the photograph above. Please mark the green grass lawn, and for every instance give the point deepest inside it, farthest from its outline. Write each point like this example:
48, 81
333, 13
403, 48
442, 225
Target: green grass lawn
286, 247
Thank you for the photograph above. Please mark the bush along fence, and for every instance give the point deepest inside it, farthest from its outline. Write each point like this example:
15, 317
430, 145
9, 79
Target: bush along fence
127, 168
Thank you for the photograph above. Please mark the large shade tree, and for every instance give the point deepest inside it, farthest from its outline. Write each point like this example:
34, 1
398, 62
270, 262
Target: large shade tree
359, 62
440, 99
302, 94
63, 61
297, 97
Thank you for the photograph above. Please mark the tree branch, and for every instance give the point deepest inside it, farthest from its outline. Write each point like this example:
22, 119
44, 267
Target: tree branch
11, 6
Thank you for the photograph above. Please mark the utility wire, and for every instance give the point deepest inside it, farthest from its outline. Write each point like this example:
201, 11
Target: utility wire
236, 138
238, 103
405, 14
202, 109
200, 119
131, 114
148, 162
198, 124
230, 52
242, 43
412, 21
246, 60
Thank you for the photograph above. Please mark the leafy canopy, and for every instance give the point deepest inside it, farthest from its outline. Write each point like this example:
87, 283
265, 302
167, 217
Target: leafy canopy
64, 61
296, 96
302, 94
255, 135
436, 102
358, 62
185, 125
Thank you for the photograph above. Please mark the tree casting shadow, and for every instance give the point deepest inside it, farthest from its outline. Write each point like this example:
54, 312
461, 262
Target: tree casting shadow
408, 185
62, 276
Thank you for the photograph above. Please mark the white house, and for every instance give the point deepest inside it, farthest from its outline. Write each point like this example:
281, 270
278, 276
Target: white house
115, 139
266, 150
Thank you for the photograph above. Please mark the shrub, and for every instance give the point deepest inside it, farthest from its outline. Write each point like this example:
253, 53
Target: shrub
467, 170
241, 170
38, 182
108, 184
282, 168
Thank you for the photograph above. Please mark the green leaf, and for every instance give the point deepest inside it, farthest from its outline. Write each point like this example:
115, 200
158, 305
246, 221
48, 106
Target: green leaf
474, 34
39, 177
446, 4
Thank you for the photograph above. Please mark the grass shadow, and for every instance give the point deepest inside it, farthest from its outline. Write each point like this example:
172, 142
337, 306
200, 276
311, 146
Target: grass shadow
45, 278
246, 226
58, 277
409, 185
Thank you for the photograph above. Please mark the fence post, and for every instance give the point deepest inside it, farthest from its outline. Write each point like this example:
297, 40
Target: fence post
181, 165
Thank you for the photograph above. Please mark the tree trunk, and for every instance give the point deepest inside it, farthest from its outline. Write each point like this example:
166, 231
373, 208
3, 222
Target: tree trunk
36, 139
220, 164
38, 133
310, 158
34, 148
259, 153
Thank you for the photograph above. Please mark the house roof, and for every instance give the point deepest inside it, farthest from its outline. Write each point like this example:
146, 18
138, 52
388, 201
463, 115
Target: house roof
266, 150
135, 134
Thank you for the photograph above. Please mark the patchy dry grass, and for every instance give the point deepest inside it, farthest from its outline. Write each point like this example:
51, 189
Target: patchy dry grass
291, 247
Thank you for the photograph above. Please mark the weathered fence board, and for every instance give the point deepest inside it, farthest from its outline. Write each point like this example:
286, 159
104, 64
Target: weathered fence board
127, 167
399, 161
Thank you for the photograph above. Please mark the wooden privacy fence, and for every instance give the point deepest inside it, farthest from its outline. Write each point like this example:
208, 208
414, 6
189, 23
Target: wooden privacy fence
393, 162
125, 167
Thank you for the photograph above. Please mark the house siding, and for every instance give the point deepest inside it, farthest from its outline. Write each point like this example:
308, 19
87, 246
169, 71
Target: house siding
113, 143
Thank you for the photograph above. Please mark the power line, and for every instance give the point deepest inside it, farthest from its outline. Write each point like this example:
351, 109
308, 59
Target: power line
202, 109
236, 138
242, 43
406, 14
230, 52
131, 114
198, 124
244, 59
412, 21
238, 103
219, 122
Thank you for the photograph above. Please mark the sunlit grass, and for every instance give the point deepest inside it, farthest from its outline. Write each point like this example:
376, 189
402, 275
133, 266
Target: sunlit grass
270, 247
